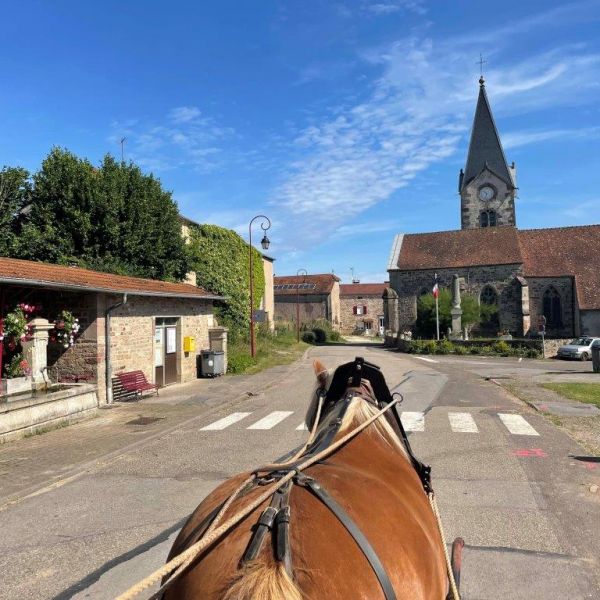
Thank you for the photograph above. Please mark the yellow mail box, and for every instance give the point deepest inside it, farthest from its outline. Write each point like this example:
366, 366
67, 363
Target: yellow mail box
189, 344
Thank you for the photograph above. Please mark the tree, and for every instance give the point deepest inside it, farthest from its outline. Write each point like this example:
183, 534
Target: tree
426, 325
221, 260
15, 191
112, 218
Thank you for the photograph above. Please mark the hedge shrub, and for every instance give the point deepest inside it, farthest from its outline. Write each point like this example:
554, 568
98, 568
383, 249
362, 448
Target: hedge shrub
309, 337
320, 335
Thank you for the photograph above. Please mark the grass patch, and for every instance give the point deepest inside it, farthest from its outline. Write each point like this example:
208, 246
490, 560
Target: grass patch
582, 392
271, 351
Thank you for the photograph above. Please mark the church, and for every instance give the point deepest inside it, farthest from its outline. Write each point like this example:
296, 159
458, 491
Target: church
526, 273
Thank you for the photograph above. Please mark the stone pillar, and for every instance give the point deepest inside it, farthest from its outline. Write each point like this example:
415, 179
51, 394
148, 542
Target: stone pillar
35, 351
218, 341
456, 310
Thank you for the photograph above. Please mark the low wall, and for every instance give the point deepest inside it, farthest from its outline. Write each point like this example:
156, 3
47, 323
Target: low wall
551, 346
33, 413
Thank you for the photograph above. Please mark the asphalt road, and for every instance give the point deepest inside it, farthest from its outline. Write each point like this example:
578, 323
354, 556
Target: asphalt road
504, 478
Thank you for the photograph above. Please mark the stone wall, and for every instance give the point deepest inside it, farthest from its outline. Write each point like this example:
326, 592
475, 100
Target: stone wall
350, 322
471, 205
132, 332
335, 306
312, 308
564, 286
590, 322
551, 346
410, 284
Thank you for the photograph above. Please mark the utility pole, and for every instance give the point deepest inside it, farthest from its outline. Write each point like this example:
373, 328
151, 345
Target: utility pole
123, 140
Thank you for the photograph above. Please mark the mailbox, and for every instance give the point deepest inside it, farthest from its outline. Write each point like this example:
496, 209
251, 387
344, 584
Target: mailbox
189, 344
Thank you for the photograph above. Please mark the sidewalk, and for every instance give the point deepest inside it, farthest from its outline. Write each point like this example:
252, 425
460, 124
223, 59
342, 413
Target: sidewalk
51, 459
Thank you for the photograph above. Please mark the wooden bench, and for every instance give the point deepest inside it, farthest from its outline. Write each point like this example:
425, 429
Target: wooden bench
132, 384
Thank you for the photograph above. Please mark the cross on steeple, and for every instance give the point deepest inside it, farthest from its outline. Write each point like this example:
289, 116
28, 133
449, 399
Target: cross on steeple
481, 62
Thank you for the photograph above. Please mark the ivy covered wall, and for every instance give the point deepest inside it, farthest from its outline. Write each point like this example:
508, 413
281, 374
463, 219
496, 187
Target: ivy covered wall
221, 261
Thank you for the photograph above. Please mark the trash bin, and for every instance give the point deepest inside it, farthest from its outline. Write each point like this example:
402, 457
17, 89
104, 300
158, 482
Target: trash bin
212, 363
596, 356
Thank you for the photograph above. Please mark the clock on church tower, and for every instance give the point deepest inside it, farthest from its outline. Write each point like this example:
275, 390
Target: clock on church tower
487, 186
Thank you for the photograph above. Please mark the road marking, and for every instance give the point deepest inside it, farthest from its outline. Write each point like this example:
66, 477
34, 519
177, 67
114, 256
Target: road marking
413, 421
272, 419
517, 425
462, 422
302, 427
426, 359
225, 421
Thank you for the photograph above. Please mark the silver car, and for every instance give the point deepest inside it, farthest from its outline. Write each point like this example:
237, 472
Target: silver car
580, 348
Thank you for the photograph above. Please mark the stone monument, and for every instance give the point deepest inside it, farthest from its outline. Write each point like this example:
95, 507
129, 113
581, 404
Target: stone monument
456, 310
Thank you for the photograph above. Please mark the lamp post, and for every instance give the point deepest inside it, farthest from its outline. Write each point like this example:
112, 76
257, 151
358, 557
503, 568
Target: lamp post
298, 273
265, 225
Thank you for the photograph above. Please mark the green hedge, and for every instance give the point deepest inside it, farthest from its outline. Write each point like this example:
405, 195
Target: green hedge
498, 348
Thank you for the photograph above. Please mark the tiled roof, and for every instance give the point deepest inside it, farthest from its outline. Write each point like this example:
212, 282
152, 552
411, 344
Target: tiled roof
553, 252
566, 251
323, 284
33, 273
461, 248
362, 289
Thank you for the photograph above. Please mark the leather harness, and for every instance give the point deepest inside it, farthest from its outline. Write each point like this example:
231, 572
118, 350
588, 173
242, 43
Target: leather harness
276, 517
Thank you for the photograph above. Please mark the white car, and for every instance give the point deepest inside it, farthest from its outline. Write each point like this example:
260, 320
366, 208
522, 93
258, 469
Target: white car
580, 348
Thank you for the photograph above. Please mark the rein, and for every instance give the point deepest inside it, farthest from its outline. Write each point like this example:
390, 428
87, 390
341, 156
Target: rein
187, 556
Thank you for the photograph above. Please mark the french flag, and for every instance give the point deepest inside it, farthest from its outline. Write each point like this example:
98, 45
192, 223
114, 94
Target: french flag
436, 290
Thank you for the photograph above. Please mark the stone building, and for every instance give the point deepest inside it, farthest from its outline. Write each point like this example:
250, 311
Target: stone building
317, 297
527, 274
155, 326
362, 308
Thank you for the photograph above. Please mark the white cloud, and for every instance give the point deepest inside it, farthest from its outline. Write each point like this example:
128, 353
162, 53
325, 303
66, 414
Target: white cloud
522, 138
184, 114
394, 6
417, 113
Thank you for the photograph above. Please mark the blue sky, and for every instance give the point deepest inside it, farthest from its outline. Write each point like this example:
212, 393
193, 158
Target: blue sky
345, 122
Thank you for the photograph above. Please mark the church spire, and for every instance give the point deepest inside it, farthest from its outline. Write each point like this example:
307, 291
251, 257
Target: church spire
485, 149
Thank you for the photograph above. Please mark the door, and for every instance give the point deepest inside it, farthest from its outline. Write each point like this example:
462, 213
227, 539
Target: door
166, 351
171, 355
381, 326
159, 356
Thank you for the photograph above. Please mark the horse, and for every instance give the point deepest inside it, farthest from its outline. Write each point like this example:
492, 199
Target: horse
374, 536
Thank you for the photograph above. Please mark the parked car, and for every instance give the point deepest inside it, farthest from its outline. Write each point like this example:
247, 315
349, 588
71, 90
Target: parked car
580, 348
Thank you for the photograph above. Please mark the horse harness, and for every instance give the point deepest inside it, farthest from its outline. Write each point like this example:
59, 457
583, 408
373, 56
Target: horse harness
275, 518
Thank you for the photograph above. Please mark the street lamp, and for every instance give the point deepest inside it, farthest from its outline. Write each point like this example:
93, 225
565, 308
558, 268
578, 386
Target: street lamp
265, 225
298, 273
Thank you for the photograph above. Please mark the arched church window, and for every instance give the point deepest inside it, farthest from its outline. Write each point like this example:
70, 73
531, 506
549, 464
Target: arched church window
488, 296
552, 307
487, 218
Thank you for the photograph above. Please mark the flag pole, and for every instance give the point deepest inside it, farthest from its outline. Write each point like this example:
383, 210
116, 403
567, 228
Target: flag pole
437, 313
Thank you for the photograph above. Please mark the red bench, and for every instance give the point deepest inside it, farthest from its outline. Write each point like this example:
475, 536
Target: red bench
135, 382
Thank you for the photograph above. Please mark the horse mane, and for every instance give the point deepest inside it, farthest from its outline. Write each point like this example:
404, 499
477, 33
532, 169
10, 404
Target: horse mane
359, 411
260, 580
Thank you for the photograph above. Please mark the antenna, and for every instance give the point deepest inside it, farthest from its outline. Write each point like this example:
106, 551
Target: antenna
123, 140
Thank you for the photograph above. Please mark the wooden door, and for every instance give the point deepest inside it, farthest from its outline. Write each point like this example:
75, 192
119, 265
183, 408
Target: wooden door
159, 356
170, 355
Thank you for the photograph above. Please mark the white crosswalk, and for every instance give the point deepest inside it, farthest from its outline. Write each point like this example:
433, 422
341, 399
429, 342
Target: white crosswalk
413, 421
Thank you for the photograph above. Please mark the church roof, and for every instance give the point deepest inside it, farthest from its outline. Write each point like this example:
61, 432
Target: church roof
565, 251
485, 148
553, 252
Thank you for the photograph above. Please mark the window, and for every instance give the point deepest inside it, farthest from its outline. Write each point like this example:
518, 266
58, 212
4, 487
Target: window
487, 218
552, 307
488, 296
358, 310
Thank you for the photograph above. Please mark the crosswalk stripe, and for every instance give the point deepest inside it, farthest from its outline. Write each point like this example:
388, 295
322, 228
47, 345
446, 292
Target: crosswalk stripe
272, 419
462, 422
302, 427
226, 421
517, 425
413, 421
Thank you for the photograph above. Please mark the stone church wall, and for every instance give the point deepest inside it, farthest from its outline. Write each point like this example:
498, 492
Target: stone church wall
564, 286
590, 322
411, 284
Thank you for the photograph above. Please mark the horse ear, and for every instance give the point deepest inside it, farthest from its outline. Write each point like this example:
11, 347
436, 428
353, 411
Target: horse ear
320, 371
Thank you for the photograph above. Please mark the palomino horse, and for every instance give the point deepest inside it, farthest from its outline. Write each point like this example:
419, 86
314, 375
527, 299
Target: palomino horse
357, 525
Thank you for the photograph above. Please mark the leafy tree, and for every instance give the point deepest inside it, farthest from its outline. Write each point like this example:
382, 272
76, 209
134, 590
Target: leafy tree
15, 191
221, 260
112, 218
472, 312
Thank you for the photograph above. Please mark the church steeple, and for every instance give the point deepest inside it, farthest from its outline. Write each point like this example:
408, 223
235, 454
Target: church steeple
487, 185
485, 147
